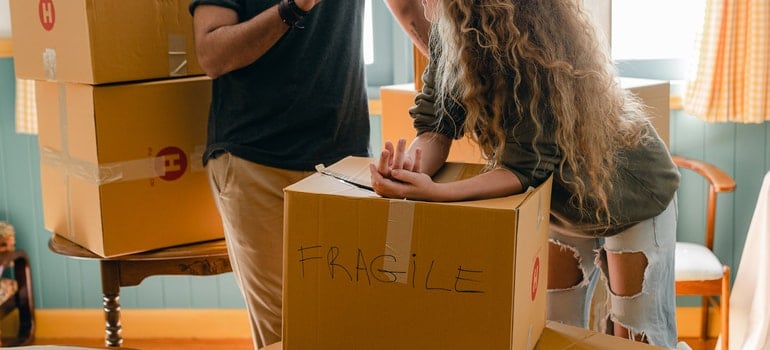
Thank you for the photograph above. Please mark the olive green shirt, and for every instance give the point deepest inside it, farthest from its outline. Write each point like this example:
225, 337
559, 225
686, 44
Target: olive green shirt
645, 183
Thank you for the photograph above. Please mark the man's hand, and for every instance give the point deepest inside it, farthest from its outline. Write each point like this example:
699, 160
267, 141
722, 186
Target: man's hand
306, 5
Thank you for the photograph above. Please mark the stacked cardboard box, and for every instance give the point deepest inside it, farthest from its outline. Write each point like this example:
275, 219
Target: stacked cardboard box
102, 41
122, 110
396, 122
365, 272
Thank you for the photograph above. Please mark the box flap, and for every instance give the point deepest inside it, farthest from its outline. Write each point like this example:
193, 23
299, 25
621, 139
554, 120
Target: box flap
350, 177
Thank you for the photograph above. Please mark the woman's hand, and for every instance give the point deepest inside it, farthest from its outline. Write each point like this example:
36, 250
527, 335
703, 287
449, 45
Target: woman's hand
398, 158
403, 183
397, 174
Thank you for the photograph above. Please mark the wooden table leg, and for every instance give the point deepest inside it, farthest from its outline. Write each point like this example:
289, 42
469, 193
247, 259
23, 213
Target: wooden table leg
111, 302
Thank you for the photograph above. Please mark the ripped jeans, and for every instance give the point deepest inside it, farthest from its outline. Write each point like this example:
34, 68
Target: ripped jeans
648, 313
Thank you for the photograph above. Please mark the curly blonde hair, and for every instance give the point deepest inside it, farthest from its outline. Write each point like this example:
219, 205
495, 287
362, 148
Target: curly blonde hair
539, 59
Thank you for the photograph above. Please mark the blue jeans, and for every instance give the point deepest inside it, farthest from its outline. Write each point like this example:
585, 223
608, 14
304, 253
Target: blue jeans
650, 313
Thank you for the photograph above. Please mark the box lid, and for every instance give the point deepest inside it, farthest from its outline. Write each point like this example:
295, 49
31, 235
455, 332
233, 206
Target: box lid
350, 177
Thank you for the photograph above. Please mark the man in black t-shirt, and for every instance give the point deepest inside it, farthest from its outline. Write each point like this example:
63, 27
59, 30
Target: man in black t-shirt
289, 93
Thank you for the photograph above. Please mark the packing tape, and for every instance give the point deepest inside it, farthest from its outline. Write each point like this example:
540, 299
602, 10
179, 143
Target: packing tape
62, 93
177, 55
398, 239
143, 168
49, 63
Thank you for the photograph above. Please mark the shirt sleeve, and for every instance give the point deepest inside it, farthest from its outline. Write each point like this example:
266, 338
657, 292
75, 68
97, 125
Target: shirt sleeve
232, 4
531, 162
427, 118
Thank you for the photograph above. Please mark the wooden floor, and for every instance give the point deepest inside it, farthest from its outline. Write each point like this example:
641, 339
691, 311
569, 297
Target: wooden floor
224, 344
697, 344
154, 344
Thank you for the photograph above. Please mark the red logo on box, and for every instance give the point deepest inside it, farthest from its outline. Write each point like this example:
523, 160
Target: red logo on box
47, 14
535, 278
175, 163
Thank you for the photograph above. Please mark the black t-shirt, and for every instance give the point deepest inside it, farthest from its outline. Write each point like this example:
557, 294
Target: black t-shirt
304, 101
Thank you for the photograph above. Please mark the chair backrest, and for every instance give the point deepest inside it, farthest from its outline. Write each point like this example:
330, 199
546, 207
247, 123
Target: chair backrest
718, 181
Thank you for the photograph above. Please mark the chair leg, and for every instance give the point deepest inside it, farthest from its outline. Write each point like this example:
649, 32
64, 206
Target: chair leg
24, 300
704, 318
724, 306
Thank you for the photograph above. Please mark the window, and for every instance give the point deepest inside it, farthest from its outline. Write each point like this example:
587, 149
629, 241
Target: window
655, 38
655, 28
390, 49
368, 34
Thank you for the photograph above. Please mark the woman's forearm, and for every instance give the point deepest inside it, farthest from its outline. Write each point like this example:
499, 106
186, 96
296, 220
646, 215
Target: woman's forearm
435, 149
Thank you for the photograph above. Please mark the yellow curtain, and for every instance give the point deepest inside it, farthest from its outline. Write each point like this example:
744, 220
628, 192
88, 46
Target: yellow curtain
26, 110
732, 82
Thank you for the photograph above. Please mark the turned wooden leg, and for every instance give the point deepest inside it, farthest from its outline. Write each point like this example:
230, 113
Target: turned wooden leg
111, 302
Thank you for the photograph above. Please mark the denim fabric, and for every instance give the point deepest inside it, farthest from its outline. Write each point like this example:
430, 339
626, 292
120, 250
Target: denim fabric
652, 312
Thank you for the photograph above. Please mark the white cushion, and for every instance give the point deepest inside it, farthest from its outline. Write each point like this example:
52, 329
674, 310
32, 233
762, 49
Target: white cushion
695, 262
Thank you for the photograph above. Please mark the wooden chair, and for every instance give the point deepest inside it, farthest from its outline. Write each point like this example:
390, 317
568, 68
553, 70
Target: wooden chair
698, 270
16, 295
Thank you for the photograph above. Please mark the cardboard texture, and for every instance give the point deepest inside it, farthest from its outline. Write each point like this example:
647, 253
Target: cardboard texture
555, 336
102, 41
397, 99
365, 272
396, 123
656, 96
121, 164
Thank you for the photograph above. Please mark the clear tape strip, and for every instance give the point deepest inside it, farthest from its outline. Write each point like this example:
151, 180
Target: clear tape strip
49, 63
136, 169
62, 92
398, 239
177, 55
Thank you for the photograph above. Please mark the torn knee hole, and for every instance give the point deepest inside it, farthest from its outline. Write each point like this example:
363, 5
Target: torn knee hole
626, 272
564, 270
619, 329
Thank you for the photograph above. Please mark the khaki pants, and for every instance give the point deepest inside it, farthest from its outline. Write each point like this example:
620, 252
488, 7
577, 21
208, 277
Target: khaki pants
249, 197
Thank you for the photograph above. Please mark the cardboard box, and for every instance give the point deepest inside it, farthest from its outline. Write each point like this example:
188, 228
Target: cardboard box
121, 164
102, 41
557, 336
397, 99
396, 123
365, 272
656, 96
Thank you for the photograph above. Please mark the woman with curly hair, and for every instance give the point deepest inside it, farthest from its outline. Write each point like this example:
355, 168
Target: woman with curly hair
531, 84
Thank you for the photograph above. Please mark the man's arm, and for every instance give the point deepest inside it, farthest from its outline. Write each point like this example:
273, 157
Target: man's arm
410, 14
223, 44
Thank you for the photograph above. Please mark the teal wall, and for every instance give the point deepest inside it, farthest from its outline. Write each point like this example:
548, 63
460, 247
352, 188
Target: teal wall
740, 149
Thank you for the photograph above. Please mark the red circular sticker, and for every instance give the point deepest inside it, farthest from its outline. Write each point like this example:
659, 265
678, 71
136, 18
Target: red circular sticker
47, 13
175, 163
535, 278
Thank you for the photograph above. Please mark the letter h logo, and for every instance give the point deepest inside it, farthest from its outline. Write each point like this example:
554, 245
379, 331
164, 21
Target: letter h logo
47, 14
